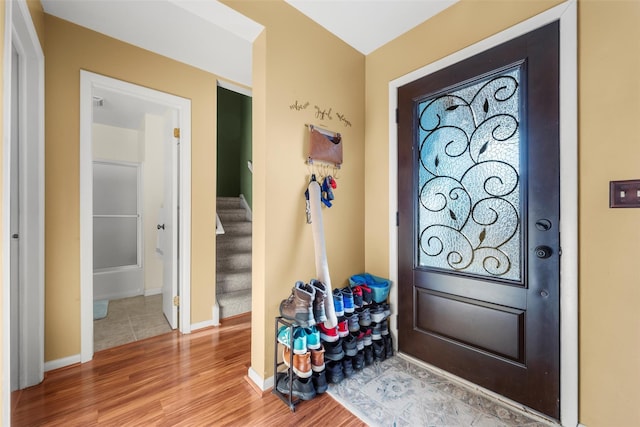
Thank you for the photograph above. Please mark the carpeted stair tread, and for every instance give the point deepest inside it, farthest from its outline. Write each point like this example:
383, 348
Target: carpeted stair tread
233, 303
234, 280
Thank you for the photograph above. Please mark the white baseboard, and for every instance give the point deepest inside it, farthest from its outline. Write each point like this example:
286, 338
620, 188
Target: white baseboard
61, 363
263, 385
154, 291
246, 207
202, 325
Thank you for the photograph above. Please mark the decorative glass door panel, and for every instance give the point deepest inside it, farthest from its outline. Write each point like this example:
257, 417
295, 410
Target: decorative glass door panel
469, 199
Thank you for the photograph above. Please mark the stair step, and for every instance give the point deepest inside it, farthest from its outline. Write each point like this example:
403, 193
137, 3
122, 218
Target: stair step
232, 281
236, 228
232, 215
233, 261
233, 303
228, 203
232, 244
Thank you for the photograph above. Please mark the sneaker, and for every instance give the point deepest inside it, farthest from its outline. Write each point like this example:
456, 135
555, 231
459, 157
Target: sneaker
384, 327
377, 313
318, 302
302, 388
368, 355
328, 334
333, 350
350, 345
343, 328
352, 322
367, 294
347, 300
334, 372
317, 360
359, 340
319, 380
376, 332
379, 353
299, 306
367, 335
299, 339
358, 361
301, 362
364, 318
347, 367
313, 338
338, 302
388, 345
357, 296
387, 310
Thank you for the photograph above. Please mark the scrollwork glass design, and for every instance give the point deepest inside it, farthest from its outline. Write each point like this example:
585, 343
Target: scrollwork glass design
469, 201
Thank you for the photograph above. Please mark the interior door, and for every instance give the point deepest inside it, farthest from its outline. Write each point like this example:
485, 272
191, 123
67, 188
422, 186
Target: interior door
478, 197
168, 225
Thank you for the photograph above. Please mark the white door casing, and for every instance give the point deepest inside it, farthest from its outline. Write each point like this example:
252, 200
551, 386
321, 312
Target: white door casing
167, 228
566, 13
89, 81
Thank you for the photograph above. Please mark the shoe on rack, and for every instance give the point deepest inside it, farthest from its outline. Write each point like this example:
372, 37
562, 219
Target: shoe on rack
384, 327
318, 301
299, 338
302, 388
376, 332
350, 345
364, 318
388, 345
313, 337
368, 355
317, 360
379, 353
347, 367
347, 300
299, 306
367, 335
358, 361
320, 382
343, 327
367, 294
387, 310
377, 313
357, 296
328, 334
359, 340
334, 371
352, 322
338, 302
301, 362
333, 350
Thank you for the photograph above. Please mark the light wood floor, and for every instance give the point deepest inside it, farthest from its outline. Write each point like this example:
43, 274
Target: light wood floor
169, 380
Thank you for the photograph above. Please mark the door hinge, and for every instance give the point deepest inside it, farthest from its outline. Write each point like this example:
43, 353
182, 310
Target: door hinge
176, 301
176, 132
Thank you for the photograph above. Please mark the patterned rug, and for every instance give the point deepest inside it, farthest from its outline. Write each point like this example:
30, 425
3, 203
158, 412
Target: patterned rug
397, 392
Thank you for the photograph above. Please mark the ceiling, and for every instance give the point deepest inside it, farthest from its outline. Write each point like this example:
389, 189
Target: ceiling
177, 29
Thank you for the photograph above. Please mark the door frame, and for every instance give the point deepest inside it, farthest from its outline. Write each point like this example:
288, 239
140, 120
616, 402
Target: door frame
566, 13
88, 81
20, 31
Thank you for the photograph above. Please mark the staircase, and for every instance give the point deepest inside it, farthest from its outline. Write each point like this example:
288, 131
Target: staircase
233, 258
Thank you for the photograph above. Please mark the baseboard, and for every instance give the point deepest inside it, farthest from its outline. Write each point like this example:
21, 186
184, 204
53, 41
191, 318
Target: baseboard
246, 206
202, 325
256, 379
61, 363
155, 291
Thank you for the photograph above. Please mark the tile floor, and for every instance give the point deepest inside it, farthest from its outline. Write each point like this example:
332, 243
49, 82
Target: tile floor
128, 320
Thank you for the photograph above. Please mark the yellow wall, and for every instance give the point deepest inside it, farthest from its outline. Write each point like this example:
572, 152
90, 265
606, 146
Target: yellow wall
609, 66
70, 48
609, 104
297, 60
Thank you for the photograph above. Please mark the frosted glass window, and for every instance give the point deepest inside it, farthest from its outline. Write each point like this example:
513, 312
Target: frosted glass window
115, 189
469, 201
115, 242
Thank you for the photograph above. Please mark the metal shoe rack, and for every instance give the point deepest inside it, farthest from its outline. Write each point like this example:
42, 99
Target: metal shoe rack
277, 366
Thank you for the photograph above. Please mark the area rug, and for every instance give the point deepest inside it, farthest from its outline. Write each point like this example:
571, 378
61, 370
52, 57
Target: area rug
398, 392
100, 309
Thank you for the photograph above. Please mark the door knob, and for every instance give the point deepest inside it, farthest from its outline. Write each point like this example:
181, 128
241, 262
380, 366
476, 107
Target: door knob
160, 226
543, 252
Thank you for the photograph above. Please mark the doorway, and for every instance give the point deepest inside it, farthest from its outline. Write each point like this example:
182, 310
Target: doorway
152, 258
567, 16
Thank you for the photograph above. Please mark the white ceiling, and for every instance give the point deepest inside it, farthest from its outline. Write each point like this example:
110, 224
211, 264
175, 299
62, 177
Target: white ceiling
211, 36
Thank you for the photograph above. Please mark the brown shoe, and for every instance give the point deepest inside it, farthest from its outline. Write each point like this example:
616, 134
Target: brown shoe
299, 306
318, 300
301, 362
317, 359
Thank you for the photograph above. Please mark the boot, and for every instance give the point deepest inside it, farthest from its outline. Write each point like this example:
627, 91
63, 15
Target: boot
318, 302
299, 306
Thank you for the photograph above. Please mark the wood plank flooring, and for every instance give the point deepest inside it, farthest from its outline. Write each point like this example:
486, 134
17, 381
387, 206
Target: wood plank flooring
169, 380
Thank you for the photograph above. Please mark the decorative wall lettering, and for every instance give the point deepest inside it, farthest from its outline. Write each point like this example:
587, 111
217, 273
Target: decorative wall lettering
321, 113
298, 106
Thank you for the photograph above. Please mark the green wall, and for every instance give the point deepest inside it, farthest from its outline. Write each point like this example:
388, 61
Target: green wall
234, 144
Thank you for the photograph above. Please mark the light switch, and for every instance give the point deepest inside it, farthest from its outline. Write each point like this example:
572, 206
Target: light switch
624, 194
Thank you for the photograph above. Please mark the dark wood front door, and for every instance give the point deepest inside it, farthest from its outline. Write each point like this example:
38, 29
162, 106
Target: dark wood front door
478, 197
